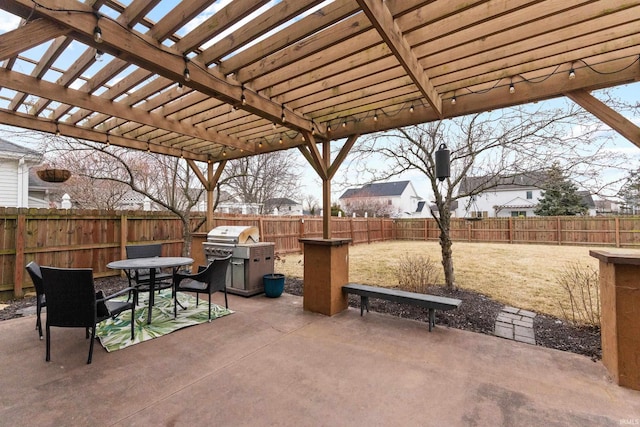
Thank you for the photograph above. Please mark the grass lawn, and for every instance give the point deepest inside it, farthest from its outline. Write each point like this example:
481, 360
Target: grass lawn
523, 276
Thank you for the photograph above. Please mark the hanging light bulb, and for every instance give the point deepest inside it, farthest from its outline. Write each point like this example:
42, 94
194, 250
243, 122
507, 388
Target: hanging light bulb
453, 100
97, 34
180, 87
375, 117
572, 74
186, 74
344, 124
303, 138
260, 144
57, 130
243, 100
273, 125
512, 88
98, 56
224, 153
280, 140
411, 108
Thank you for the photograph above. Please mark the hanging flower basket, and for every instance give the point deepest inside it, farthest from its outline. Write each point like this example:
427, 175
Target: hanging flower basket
54, 175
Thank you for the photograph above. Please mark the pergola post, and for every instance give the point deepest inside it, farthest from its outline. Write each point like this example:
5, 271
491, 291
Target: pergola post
620, 314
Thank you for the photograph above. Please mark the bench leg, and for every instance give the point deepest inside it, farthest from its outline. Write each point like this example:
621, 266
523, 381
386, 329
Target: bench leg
432, 318
364, 303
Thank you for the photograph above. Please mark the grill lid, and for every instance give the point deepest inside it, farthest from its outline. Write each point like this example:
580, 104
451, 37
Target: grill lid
234, 234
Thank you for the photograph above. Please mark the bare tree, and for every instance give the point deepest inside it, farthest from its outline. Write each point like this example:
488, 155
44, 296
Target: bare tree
259, 178
311, 203
501, 144
166, 181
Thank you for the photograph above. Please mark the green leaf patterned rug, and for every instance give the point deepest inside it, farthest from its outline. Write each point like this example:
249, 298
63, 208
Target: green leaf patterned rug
115, 334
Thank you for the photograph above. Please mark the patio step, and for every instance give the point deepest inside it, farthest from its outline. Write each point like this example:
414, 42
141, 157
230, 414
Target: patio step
515, 324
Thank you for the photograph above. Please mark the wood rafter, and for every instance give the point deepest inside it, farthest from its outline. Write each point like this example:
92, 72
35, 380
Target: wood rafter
383, 21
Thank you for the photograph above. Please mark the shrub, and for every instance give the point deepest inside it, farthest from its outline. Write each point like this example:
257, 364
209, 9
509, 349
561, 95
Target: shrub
582, 303
416, 273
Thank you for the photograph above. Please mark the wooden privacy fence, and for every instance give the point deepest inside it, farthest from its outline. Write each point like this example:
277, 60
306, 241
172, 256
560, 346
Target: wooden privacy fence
94, 238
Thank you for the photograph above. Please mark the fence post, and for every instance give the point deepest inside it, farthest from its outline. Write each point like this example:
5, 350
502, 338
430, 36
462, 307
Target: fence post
559, 230
617, 232
351, 229
368, 231
510, 230
261, 227
469, 231
301, 234
21, 226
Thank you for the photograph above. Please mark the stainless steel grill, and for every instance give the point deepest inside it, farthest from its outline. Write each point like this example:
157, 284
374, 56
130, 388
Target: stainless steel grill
250, 258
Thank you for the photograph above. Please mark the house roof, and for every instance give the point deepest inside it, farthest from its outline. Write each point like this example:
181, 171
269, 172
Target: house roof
378, 189
280, 201
587, 199
258, 71
452, 207
15, 151
525, 180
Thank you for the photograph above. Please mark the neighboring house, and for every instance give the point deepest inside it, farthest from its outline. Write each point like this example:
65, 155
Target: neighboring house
394, 199
43, 194
511, 197
282, 206
15, 162
453, 209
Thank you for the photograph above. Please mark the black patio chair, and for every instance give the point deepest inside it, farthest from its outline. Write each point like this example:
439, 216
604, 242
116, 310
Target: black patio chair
207, 280
141, 278
72, 302
36, 277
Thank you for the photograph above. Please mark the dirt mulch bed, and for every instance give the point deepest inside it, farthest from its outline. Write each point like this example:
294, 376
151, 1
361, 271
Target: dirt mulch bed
477, 313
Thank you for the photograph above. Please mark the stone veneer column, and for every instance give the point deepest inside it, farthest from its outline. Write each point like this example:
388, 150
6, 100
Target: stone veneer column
620, 314
326, 270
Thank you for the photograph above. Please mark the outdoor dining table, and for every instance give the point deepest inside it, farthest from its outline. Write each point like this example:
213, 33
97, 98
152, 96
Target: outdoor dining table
152, 264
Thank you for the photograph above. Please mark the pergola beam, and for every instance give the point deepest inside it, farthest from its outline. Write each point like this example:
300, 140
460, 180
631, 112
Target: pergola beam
29, 35
42, 88
382, 19
148, 53
42, 125
607, 115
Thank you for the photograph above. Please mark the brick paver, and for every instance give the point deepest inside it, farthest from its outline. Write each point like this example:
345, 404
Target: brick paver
515, 324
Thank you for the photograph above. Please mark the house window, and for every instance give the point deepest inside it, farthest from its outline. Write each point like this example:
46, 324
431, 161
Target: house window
529, 195
517, 214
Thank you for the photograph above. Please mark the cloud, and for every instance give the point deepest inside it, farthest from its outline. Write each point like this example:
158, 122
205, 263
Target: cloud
8, 22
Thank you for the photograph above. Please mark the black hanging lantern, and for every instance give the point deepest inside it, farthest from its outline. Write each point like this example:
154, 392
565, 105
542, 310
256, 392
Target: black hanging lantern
443, 162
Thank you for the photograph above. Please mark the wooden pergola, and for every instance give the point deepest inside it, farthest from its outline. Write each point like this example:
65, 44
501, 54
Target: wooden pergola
211, 83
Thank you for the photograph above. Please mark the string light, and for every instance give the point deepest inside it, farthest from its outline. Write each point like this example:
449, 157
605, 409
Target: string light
224, 153
148, 148
97, 32
512, 88
273, 125
375, 116
344, 124
259, 144
411, 108
182, 153
328, 128
303, 138
180, 87
280, 140
108, 142
186, 74
57, 130
283, 118
98, 56
453, 100
243, 100
572, 73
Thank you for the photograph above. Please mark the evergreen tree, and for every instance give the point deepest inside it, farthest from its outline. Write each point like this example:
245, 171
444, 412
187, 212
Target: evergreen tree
560, 196
630, 194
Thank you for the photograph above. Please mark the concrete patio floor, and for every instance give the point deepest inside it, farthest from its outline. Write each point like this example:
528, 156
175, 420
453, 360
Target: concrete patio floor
271, 363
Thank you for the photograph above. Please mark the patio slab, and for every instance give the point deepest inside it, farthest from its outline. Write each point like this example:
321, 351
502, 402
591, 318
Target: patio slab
271, 363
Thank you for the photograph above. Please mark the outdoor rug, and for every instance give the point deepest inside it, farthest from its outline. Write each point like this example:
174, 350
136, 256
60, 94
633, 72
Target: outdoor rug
115, 334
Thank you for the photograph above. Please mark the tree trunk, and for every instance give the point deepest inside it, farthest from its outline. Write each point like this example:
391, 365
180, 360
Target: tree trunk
186, 235
445, 246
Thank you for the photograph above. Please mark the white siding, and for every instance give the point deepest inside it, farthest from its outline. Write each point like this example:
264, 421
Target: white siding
9, 183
